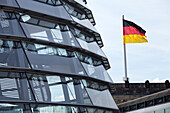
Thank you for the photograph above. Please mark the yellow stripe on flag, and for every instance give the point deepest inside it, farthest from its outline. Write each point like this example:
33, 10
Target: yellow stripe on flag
134, 39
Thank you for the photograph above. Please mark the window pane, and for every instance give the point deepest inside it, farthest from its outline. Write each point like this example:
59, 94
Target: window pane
38, 55
14, 86
56, 11
51, 35
14, 108
167, 110
9, 3
97, 72
160, 111
11, 54
102, 98
93, 47
9, 26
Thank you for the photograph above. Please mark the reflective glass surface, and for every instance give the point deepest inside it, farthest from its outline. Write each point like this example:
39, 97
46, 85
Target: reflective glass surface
47, 88
14, 86
53, 109
33, 5
14, 108
102, 98
167, 110
58, 89
97, 72
51, 35
99, 94
9, 25
44, 108
74, 12
160, 111
9, 3
92, 46
12, 55
48, 58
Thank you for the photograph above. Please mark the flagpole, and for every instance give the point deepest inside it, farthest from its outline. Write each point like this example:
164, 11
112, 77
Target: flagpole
125, 64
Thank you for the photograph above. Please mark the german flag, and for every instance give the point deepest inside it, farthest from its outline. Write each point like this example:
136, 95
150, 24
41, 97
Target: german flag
133, 33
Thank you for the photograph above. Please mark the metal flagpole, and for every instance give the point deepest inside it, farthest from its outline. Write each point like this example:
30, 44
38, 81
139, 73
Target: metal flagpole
124, 45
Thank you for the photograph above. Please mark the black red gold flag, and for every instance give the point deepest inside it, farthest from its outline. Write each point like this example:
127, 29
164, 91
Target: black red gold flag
133, 33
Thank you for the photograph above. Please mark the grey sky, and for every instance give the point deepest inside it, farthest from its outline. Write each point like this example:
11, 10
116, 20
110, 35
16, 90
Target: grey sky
146, 60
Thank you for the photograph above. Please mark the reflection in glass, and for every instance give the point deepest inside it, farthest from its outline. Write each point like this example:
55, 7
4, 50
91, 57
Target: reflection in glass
93, 47
99, 94
14, 108
74, 12
52, 59
102, 98
77, 33
160, 111
11, 54
51, 34
9, 3
14, 86
9, 25
97, 72
167, 110
47, 88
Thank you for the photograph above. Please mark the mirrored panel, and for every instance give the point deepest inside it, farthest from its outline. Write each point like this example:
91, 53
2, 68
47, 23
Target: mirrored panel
92, 46
14, 86
43, 57
12, 54
11, 3
97, 72
54, 34
96, 110
35, 5
14, 108
35, 108
50, 88
99, 94
9, 24
102, 98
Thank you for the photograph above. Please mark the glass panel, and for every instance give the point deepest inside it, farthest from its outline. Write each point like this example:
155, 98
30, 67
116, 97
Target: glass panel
56, 109
102, 98
149, 103
94, 110
56, 11
81, 94
97, 72
9, 25
14, 108
167, 110
11, 54
74, 12
9, 3
93, 47
14, 86
47, 58
159, 100
99, 94
51, 35
56, 89
47, 88
160, 111
141, 105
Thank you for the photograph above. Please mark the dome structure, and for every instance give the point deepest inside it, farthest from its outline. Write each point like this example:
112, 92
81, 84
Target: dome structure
51, 59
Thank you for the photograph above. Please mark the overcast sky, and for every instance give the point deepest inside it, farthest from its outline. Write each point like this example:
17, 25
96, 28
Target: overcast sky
145, 61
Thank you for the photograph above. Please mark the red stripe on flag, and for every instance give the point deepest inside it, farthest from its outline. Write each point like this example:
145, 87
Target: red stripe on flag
130, 30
